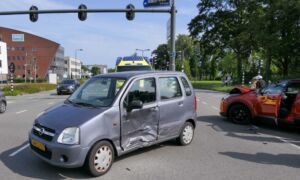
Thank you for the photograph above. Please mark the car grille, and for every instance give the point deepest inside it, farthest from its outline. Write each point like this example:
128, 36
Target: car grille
43, 132
47, 154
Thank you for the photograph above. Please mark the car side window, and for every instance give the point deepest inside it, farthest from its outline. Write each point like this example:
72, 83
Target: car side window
169, 88
293, 88
143, 90
186, 86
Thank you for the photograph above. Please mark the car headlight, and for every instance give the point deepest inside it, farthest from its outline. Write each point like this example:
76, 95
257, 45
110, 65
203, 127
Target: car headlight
71, 86
69, 136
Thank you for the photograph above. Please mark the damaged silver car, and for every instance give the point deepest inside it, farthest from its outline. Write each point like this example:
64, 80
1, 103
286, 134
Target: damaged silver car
113, 114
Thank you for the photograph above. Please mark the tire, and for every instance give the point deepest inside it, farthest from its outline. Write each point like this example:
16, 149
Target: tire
186, 135
240, 114
100, 158
2, 107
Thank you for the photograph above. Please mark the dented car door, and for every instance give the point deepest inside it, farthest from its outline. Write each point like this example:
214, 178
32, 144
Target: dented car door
139, 126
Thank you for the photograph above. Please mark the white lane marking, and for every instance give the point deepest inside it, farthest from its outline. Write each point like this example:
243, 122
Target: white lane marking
10, 102
203, 102
19, 150
21, 111
215, 108
283, 140
50, 103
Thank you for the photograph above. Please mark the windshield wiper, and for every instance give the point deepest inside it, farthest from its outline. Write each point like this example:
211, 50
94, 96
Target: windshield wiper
69, 101
85, 104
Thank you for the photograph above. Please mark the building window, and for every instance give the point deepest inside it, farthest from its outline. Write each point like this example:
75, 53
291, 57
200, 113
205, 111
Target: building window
8, 58
19, 67
23, 58
34, 49
23, 48
18, 57
13, 58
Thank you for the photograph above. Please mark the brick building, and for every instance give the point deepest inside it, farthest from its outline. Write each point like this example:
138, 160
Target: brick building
32, 55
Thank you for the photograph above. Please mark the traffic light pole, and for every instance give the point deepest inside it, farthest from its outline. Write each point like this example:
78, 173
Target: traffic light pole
61, 11
33, 12
173, 23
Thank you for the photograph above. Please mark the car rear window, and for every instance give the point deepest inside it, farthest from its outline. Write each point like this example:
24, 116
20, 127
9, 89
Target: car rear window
187, 88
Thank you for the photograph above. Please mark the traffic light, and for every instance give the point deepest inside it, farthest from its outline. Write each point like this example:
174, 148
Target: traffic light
82, 15
130, 14
33, 16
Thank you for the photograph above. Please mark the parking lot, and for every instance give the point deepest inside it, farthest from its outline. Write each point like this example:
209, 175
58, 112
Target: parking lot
220, 149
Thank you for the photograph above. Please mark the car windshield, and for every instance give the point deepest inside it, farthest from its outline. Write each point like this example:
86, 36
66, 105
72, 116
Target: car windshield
273, 89
133, 68
67, 82
97, 92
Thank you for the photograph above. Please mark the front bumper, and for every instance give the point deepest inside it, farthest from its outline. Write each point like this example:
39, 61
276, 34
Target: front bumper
67, 156
65, 90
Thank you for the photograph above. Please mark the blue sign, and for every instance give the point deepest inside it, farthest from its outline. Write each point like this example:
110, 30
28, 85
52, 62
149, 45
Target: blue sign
156, 3
17, 37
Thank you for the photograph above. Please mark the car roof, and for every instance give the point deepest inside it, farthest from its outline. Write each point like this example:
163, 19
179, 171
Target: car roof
130, 74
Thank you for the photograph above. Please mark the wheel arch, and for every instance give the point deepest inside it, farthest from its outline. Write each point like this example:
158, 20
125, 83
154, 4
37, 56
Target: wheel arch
108, 140
192, 121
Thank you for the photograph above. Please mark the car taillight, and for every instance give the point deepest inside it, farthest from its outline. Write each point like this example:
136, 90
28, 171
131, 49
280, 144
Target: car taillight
195, 104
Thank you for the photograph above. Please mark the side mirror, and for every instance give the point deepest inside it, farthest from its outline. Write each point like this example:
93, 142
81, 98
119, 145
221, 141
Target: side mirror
136, 104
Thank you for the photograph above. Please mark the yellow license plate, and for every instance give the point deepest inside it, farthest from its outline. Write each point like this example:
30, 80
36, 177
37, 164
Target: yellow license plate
38, 145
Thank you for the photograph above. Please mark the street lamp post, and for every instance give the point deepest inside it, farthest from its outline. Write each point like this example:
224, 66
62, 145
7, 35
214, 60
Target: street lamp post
76, 52
76, 57
142, 50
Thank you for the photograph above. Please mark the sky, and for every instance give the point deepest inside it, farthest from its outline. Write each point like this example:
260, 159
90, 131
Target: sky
103, 37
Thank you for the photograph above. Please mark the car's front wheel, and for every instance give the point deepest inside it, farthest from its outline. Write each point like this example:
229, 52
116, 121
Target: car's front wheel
2, 107
100, 158
186, 135
239, 114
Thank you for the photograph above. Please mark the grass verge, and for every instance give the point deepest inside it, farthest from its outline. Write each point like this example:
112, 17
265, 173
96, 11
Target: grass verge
20, 89
211, 85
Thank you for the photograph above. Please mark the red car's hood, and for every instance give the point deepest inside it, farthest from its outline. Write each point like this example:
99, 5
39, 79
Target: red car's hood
241, 90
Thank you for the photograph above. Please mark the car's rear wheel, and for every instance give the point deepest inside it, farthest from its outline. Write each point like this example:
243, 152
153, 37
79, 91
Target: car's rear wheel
186, 135
2, 107
239, 114
100, 158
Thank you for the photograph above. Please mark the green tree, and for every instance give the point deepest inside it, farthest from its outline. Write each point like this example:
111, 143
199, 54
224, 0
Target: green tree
161, 57
95, 71
84, 68
223, 25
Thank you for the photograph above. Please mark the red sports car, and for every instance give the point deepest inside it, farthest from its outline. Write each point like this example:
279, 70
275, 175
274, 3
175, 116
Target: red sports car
279, 102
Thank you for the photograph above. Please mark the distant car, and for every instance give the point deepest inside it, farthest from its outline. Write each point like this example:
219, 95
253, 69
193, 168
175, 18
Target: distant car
113, 114
2, 102
67, 86
279, 102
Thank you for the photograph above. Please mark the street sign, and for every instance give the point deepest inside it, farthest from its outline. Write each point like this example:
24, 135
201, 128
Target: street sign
156, 3
12, 68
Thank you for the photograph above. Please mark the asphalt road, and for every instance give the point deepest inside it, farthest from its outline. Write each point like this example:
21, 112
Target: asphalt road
220, 149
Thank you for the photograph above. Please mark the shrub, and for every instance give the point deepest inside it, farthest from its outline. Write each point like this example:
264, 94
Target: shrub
28, 88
